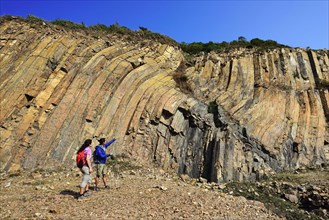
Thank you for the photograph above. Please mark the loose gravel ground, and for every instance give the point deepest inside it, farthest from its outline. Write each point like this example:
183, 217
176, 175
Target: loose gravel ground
142, 194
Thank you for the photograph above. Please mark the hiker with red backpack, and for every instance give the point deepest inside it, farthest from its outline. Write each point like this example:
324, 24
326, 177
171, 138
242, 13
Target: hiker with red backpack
83, 160
100, 157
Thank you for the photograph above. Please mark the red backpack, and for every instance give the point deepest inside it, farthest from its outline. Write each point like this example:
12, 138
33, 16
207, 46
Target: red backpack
81, 160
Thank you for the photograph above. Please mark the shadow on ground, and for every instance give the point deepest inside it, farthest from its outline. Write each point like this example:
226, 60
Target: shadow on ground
70, 192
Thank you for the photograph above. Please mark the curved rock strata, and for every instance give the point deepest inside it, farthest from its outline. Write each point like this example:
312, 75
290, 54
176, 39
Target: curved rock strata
59, 87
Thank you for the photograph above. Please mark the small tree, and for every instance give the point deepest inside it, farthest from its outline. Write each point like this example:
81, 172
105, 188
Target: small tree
242, 39
257, 42
143, 28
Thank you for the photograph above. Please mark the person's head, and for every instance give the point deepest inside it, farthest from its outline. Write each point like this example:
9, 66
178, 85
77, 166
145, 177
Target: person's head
87, 143
101, 141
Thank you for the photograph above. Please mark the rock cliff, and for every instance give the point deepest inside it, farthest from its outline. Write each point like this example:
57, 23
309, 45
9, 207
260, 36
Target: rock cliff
249, 113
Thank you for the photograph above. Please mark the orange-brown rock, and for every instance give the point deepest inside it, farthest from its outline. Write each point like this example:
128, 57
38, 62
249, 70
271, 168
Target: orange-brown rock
60, 87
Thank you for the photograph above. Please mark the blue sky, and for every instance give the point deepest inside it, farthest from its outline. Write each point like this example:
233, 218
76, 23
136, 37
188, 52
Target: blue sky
294, 23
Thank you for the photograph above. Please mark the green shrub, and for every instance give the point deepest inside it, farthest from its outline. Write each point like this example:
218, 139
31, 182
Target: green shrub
257, 42
113, 28
117, 166
68, 24
143, 28
181, 79
34, 19
98, 27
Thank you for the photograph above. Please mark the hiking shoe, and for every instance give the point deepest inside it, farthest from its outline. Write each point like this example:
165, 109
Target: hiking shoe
82, 197
87, 193
107, 187
97, 189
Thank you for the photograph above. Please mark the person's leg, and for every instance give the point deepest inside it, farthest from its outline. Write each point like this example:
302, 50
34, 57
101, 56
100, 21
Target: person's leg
104, 180
85, 180
82, 191
87, 187
96, 181
98, 173
89, 181
104, 170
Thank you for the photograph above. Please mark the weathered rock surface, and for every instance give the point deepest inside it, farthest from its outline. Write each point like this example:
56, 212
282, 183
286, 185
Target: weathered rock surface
279, 97
59, 87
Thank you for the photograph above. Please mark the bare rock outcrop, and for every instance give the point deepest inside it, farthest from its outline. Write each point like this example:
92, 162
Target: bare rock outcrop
279, 97
60, 86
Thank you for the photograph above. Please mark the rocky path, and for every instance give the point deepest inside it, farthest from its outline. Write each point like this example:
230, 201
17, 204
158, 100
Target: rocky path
143, 194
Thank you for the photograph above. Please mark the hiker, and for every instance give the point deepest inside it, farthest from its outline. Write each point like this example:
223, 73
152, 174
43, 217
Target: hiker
100, 157
85, 168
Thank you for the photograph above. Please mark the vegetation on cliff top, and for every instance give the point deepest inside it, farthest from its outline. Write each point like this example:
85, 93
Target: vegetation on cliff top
98, 29
242, 42
144, 33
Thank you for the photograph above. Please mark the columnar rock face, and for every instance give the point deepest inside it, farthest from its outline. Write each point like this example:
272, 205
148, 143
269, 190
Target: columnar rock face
279, 97
60, 87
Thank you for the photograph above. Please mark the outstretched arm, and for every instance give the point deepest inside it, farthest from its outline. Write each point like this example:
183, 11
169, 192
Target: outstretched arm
109, 143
